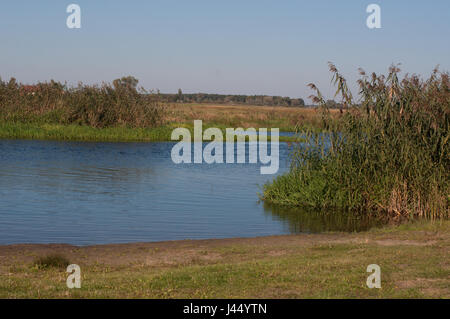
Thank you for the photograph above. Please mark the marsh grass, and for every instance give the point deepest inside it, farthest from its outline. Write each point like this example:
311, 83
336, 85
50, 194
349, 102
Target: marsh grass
119, 104
388, 153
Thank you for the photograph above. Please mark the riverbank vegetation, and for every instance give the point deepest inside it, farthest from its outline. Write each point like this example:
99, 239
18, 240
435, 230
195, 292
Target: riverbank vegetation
413, 258
82, 133
122, 111
388, 153
119, 104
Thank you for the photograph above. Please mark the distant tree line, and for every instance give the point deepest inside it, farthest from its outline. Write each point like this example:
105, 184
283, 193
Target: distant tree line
332, 104
181, 97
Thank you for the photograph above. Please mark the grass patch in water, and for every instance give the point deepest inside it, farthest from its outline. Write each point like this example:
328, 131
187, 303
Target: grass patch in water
387, 154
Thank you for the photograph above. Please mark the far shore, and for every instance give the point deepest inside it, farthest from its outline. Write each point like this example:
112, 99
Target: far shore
286, 119
413, 258
77, 133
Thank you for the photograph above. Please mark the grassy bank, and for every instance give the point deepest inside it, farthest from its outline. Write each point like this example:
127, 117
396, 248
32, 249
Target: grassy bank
413, 259
71, 132
82, 133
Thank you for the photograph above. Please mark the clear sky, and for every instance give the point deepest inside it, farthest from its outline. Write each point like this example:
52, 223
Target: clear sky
231, 47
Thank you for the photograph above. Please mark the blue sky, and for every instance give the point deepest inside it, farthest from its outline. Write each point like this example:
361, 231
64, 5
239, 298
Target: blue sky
231, 47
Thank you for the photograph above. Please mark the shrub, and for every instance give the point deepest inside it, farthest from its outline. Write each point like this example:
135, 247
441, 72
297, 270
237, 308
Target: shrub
52, 261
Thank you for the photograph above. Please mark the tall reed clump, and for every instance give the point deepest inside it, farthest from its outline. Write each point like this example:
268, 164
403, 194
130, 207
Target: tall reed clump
119, 104
387, 154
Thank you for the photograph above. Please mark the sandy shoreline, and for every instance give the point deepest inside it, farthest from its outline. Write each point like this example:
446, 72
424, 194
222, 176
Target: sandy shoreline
413, 258
180, 251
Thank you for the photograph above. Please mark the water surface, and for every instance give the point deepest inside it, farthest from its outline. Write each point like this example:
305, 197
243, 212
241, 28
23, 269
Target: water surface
95, 193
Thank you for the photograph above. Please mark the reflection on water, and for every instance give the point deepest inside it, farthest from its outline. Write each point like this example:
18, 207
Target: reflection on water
93, 193
301, 220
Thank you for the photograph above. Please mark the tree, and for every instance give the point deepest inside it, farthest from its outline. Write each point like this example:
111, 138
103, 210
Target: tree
128, 82
331, 104
298, 102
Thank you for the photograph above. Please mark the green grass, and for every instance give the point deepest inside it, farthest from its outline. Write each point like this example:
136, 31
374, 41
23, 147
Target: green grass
413, 259
71, 132
82, 133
